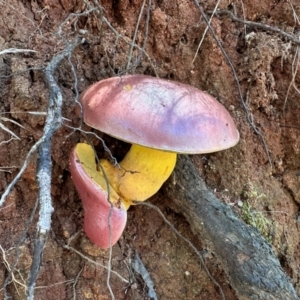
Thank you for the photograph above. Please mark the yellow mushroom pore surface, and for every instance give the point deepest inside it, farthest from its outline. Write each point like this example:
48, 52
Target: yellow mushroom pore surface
86, 156
140, 174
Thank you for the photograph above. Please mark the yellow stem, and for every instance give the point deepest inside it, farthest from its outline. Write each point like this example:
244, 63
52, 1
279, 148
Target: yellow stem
141, 173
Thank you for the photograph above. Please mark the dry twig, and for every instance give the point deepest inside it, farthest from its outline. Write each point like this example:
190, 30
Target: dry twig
53, 122
263, 26
140, 268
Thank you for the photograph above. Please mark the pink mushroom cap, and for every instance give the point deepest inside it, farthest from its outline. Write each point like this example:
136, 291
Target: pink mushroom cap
159, 113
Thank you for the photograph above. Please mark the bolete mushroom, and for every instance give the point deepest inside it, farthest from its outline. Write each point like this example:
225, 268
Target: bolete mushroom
160, 118
104, 215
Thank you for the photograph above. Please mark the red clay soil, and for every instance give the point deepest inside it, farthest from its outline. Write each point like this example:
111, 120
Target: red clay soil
264, 192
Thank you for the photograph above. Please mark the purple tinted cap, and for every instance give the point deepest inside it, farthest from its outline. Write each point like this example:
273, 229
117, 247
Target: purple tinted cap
158, 113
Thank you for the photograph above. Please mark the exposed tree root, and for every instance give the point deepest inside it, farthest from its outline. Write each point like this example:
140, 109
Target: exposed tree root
249, 261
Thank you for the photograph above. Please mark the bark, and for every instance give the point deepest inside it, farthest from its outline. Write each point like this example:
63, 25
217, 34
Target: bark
251, 265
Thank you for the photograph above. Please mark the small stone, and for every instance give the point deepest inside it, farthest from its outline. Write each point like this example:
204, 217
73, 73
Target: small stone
240, 203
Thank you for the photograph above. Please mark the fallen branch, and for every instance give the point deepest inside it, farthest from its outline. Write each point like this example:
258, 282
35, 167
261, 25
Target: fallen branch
248, 260
44, 163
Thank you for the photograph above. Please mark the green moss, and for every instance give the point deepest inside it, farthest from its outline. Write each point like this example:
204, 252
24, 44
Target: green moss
257, 219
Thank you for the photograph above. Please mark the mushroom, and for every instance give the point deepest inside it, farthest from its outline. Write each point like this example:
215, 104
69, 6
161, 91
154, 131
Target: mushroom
160, 118
104, 221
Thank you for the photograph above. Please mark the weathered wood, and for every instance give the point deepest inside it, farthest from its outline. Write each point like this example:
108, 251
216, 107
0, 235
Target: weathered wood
249, 261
